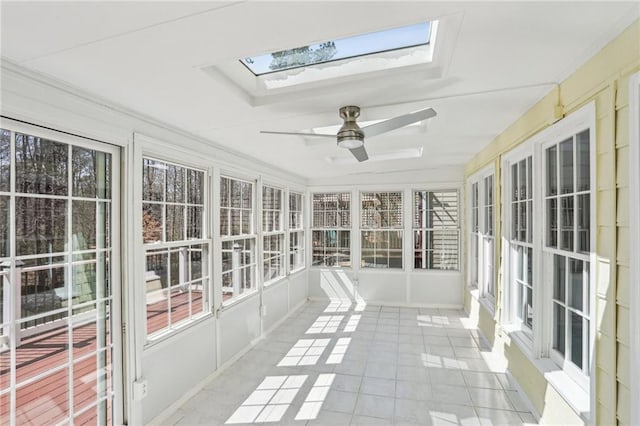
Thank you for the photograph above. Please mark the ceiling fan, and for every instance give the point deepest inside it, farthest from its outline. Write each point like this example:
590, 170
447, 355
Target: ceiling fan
351, 136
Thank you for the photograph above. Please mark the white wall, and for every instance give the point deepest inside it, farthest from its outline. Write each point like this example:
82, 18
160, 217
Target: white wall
172, 367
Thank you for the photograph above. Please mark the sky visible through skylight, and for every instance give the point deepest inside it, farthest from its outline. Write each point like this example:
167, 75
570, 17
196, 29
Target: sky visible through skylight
348, 47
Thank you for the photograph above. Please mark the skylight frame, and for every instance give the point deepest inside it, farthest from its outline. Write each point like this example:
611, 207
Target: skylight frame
429, 36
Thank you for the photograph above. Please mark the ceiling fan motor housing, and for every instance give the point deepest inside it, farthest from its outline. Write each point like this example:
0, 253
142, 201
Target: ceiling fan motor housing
350, 135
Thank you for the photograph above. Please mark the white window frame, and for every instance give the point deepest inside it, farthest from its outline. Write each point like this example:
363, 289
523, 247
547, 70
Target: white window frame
484, 295
171, 247
577, 123
336, 229
12, 309
278, 233
399, 228
431, 229
634, 208
251, 236
574, 386
509, 293
299, 250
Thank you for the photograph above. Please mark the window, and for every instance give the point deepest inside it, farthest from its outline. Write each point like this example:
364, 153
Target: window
296, 231
519, 214
481, 237
273, 250
381, 229
57, 276
474, 239
238, 237
344, 48
175, 244
331, 239
549, 263
567, 171
435, 229
488, 238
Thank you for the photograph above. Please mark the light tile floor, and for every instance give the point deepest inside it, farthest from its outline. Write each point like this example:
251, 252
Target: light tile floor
340, 364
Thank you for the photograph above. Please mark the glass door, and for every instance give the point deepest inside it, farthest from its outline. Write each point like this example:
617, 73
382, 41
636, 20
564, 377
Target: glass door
56, 278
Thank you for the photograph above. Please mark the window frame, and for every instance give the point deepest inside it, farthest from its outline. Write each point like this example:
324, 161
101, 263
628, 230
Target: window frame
479, 178
251, 236
415, 229
337, 229
399, 229
569, 129
510, 319
300, 249
278, 233
578, 390
171, 246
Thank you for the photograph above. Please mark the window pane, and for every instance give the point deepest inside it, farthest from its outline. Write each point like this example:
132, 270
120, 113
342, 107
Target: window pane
156, 281
522, 180
41, 165
247, 195
151, 223
559, 284
528, 278
225, 192
566, 223
4, 226
43, 289
5, 160
552, 222
195, 187
529, 238
552, 170
42, 225
84, 225
152, 180
576, 280
514, 183
559, 320
584, 223
194, 222
566, 166
91, 173
175, 223
528, 314
523, 221
576, 339
583, 161
175, 184
515, 220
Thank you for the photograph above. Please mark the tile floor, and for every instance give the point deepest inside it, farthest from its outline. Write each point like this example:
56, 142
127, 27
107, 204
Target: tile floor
335, 363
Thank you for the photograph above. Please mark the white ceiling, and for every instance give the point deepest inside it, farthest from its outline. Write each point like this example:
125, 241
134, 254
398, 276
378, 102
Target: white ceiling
150, 57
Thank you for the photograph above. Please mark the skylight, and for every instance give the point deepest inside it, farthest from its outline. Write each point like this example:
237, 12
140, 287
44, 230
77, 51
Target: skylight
344, 48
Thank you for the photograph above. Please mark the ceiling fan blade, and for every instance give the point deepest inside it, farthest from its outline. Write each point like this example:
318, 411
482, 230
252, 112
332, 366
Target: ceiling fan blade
360, 153
397, 122
321, 135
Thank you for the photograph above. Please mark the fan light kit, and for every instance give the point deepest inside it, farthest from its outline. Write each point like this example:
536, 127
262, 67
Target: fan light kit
351, 136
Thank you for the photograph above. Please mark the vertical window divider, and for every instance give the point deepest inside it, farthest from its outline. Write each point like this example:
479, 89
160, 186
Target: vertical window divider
284, 220
356, 233
216, 247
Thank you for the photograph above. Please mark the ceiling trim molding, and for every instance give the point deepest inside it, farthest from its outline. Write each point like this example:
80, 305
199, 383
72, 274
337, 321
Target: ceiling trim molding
119, 122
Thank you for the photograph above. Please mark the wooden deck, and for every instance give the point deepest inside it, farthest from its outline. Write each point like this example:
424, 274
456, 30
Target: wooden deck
158, 312
46, 400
